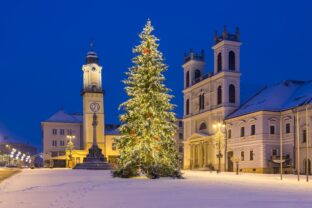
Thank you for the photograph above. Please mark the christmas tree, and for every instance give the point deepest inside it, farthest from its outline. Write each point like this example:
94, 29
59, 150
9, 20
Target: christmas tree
147, 144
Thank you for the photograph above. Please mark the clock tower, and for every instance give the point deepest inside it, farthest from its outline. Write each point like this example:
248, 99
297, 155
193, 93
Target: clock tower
93, 100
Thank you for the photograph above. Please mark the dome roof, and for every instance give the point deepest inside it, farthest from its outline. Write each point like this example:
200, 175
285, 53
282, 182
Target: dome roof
92, 57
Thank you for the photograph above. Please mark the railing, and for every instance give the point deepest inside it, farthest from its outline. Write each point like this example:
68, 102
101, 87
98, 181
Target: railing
198, 79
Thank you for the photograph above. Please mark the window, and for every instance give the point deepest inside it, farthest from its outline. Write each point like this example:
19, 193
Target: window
229, 134
253, 130
53, 154
187, 79
114, 145
219, 62
187, 106
251, 155
203, 126
287, 128
180, 136
232, 93
274, 152
69, 131
54, 131
62, 153
54, 143
201, 102
181, 149
272, 129
231, 61
242, 156
242, 132
219, 95
62, 143
197, 75
180, 123
62, 131
304, 136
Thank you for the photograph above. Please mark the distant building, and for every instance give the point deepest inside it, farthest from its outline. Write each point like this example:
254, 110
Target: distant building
8, 144
249, 134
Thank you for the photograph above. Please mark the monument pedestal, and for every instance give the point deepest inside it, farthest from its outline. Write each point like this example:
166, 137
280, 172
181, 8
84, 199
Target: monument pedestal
95, 160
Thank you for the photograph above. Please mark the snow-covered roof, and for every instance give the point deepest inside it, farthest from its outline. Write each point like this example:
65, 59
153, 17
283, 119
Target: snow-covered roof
283, 96
63, 117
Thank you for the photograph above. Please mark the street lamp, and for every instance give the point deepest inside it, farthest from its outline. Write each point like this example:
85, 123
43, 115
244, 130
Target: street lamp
236, 160
218, 127
70, 146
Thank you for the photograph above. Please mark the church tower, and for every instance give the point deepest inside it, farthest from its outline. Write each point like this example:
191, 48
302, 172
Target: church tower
227, 68
93, 100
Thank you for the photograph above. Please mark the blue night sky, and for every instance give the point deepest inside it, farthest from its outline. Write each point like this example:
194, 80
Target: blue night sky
43, 46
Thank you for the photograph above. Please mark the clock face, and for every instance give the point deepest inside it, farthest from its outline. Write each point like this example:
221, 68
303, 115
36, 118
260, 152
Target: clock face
94, 107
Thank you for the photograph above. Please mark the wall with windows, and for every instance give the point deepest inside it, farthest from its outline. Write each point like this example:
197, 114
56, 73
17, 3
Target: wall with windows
55, 137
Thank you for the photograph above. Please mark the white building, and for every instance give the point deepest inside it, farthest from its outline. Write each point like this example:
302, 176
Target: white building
248, 134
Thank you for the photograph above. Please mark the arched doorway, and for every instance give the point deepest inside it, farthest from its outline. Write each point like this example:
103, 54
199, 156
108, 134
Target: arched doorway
305, 169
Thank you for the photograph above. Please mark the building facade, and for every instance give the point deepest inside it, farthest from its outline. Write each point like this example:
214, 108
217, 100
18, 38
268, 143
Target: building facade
62, 128
253, 137
208, 99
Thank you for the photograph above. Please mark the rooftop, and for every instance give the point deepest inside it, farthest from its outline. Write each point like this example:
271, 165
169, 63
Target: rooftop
282, 96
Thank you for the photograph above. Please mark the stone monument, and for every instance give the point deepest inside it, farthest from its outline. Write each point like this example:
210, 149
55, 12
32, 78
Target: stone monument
95, 160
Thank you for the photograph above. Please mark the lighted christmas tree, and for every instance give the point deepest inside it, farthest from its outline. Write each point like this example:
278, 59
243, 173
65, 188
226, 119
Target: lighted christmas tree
147, 144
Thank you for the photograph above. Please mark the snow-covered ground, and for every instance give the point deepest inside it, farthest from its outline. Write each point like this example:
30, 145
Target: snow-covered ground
60, 188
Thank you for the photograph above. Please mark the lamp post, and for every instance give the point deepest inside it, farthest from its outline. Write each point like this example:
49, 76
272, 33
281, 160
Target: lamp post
70, 147
218, 127
236, 160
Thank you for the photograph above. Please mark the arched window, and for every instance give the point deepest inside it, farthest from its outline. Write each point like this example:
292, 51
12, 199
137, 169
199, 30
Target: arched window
197, 75
219, 62
187, 79
187, 107
202, 126
231, 61
232, 93
219, 95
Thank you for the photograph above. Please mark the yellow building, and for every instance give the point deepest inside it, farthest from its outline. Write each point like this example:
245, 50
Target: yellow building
63, 128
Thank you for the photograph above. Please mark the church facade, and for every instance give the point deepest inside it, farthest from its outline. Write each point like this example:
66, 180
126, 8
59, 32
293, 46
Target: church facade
220, 133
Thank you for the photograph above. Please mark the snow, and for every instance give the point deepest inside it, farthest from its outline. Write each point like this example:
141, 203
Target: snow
62, 116
61, 188
283, 96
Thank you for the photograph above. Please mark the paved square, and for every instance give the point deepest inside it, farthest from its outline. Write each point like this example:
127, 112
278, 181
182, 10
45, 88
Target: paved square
61, 188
